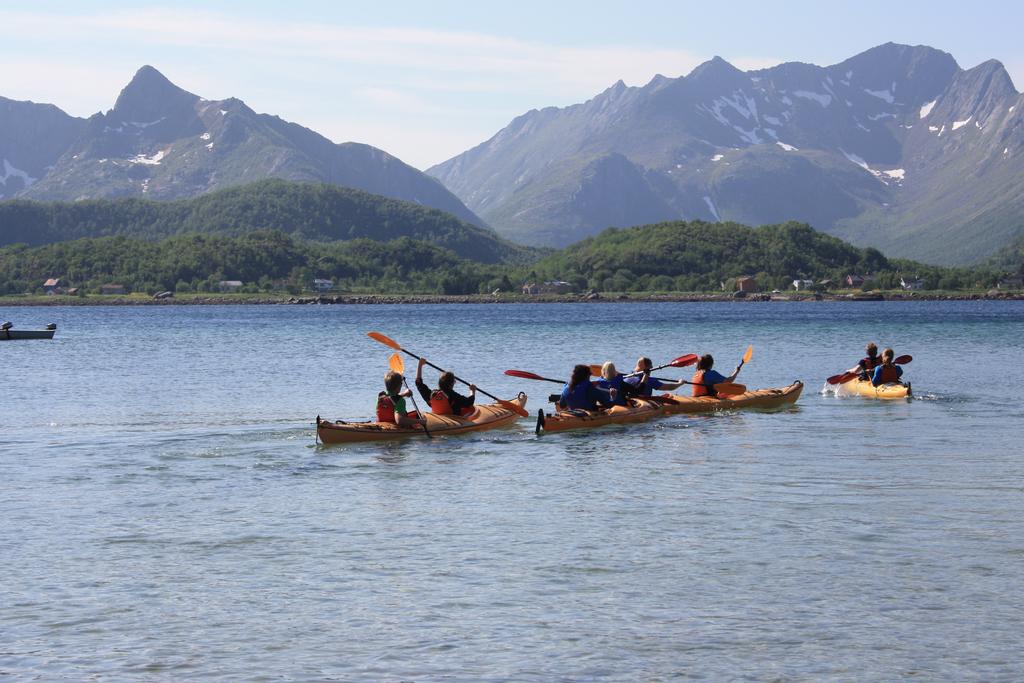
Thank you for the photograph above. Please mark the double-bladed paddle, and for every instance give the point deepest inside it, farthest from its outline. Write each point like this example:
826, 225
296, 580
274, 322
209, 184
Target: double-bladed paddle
725, 388
395, 363
681, 362
388, 341
844, 377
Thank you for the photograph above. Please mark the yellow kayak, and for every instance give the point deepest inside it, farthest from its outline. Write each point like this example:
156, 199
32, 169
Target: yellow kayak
863, 387
638, 409
487, 416
765, 399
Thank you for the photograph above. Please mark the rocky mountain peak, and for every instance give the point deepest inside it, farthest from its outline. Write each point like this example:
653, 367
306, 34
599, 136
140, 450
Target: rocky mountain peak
150, 95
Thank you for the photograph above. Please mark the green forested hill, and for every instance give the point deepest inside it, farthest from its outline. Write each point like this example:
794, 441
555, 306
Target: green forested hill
696, 256
197, 262
310, 211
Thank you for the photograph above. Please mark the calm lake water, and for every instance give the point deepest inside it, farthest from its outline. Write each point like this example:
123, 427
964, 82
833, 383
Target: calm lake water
166, 515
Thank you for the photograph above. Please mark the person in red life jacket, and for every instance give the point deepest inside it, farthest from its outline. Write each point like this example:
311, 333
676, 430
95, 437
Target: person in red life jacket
888, 372
705, 379
867, 365
391, 404
445, 400
644, 383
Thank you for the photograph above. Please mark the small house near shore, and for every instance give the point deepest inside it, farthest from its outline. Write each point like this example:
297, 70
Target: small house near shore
321, 285
803, 285
229, 285
54, 285
746, 284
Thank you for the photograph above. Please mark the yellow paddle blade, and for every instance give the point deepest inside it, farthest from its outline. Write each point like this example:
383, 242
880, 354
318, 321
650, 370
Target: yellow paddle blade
748, 354
386, 341
396, 363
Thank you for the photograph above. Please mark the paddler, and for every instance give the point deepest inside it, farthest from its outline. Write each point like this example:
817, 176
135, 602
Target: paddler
888, 372
705, 379
445, 400
652, 384
391, 404
867, 365
618, 387
580, 393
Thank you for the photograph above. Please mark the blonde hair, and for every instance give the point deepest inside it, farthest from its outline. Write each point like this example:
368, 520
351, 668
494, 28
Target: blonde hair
608, 370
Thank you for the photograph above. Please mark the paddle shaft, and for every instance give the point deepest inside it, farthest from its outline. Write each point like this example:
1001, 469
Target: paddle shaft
457, 378
414, 405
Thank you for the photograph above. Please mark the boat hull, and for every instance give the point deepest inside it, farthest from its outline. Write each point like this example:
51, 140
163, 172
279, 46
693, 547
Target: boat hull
885, 392
761, 399
13, 335
641, 409
488, 416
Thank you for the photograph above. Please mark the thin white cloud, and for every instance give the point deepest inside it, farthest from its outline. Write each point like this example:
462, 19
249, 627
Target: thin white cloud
305, 71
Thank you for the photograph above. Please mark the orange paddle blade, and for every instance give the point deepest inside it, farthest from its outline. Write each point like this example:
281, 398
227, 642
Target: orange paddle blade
595, 370
748, 354
514, 407
396, 363
386, 341
730, 389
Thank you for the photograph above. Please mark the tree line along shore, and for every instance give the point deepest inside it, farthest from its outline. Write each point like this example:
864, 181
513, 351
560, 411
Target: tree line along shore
275, 240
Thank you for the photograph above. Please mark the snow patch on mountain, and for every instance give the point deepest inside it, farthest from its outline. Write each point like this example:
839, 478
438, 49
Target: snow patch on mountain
204, 136
882, 95
11, 171
712, 209
897, 174
146, 124
788, 148
717, 157
148, 161
927, 109
961, 124
823, 100
772, 120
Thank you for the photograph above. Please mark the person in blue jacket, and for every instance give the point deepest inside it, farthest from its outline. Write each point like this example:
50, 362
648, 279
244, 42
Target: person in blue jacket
888, 372
580, 393
618, 387
652, 384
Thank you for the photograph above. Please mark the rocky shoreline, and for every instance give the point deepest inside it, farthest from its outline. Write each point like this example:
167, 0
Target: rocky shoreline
593, 297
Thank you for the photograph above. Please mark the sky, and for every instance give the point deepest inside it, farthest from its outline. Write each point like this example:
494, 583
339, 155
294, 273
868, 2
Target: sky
428, 80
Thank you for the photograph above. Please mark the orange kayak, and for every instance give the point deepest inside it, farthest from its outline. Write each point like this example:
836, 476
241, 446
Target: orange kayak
560, 421
485, 417
764, 399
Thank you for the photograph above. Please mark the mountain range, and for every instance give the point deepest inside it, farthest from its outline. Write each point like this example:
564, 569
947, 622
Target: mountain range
162, 142
897, 148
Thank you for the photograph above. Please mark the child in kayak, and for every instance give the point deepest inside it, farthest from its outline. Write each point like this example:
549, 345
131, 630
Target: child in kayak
618, 387
651, 384
888, 372
867, 365
705, 379
391, 404
445, 400
580, 393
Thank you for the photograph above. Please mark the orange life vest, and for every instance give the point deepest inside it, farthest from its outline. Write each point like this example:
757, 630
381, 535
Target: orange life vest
889, 375
385, 408
698, 385
440, 405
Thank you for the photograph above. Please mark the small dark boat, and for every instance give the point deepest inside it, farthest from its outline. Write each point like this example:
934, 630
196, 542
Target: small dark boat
7, 333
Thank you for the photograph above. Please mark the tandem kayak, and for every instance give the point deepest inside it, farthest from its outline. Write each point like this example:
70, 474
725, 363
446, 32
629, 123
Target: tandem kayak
639, 409
764, 399
488, 416
864, 387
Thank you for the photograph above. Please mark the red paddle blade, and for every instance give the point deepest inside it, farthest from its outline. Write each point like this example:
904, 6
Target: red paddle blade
522, 373
903, 360
841, 379
683, 361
